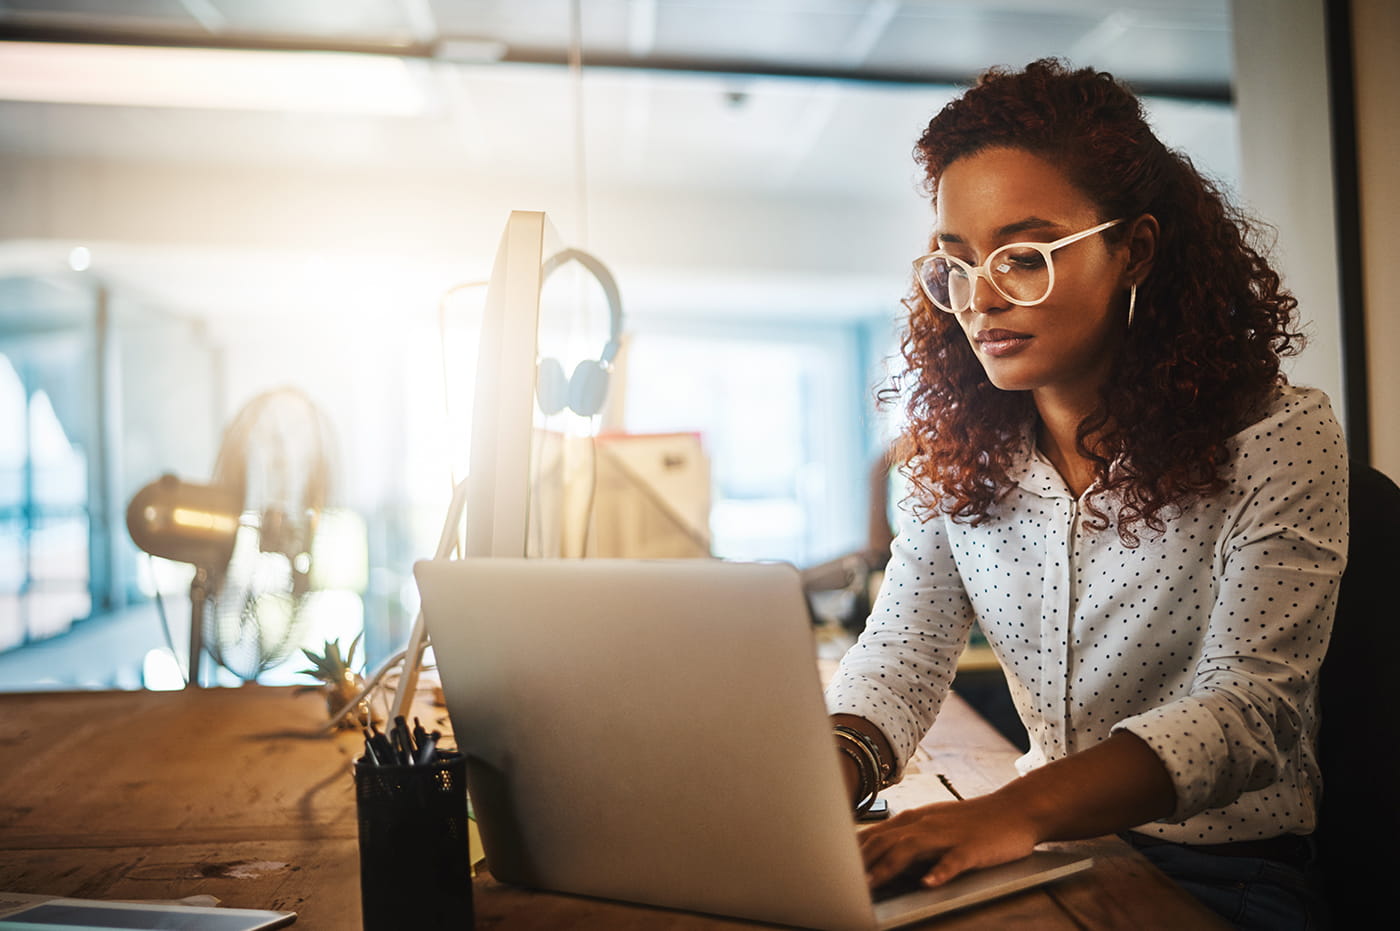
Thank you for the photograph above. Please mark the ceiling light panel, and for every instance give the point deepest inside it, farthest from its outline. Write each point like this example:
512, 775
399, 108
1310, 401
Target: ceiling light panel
217, 79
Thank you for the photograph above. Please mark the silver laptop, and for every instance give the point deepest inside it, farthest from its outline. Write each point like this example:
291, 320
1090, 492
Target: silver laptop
654, 732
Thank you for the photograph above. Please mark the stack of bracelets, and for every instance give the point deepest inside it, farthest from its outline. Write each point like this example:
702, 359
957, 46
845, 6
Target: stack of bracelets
874, 770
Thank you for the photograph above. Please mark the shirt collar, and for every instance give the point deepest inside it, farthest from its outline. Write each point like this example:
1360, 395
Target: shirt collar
1031, 471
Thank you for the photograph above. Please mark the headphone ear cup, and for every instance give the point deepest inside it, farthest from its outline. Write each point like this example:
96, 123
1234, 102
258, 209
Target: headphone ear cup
588, 388
551, 387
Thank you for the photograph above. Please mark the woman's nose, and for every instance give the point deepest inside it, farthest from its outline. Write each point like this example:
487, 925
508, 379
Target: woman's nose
985, 298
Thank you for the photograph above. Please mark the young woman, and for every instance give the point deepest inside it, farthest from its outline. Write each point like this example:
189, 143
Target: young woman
1111, 477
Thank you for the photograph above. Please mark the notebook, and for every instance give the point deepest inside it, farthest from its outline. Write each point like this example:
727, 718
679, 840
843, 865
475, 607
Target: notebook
654, 732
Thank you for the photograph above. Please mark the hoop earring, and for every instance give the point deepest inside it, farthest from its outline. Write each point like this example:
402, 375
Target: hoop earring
1132, 302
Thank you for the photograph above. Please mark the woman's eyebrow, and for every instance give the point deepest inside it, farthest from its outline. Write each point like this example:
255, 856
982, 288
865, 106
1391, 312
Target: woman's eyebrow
1010, 229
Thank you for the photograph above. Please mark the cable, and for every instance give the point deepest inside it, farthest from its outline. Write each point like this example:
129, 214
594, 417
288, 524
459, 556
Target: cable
411, 656
370, 685
592, 493
576, 73
448, 543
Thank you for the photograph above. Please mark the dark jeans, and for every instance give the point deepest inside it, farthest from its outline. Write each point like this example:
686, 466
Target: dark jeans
1249, 892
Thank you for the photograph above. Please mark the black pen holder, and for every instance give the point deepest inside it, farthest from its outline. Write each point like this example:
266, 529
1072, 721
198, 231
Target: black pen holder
415, 857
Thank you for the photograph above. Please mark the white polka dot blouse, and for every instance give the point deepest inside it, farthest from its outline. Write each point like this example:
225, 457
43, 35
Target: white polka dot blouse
1205, 641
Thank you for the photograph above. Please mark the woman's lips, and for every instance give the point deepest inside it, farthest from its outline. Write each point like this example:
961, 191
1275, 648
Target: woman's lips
998, 343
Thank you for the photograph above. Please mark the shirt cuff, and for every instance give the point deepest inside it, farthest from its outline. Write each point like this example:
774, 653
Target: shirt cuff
1191, 745
869, 702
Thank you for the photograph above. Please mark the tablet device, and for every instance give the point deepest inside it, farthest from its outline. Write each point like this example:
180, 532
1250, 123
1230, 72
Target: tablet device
21, 912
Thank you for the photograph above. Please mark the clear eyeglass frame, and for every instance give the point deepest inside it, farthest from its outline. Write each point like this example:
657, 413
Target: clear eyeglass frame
972, 272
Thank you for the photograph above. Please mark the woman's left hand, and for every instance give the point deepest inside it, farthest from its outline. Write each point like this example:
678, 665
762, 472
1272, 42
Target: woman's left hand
949, 837
1111, 786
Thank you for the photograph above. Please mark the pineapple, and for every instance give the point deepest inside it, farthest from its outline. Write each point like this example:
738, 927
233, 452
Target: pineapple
339, 681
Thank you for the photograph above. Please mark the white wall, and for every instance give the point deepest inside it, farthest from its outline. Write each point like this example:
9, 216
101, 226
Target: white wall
406, 237
1286, 175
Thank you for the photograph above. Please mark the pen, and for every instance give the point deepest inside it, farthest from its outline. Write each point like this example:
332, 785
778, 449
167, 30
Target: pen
383, 749
403, 741
427, 748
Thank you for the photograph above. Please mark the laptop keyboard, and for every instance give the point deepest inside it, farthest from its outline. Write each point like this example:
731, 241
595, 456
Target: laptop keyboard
911, 880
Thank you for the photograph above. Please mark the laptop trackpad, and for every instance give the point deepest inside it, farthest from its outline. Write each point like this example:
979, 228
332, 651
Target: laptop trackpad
983, 885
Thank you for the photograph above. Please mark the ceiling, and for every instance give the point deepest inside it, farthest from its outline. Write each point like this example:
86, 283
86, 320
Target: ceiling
1168, 46
774, 135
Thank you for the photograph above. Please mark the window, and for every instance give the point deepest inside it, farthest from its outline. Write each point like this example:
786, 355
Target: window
43, 517
778, 410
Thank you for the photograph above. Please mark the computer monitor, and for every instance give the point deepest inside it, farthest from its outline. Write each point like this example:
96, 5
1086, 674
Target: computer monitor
500, 476
515, 495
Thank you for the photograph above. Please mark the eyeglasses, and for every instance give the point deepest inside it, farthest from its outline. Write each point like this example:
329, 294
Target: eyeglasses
1021, 272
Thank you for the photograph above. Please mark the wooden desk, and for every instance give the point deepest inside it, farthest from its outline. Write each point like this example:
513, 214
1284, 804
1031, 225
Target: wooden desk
231, 793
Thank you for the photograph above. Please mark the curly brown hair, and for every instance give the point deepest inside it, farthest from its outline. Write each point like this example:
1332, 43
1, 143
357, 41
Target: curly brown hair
1202, 355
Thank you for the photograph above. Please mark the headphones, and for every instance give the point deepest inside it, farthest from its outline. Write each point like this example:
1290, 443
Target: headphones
585, 391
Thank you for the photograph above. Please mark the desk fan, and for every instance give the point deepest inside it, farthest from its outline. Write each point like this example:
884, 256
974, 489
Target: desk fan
248, 533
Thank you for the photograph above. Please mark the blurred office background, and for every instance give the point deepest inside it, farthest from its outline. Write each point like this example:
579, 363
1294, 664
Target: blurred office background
208, 200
